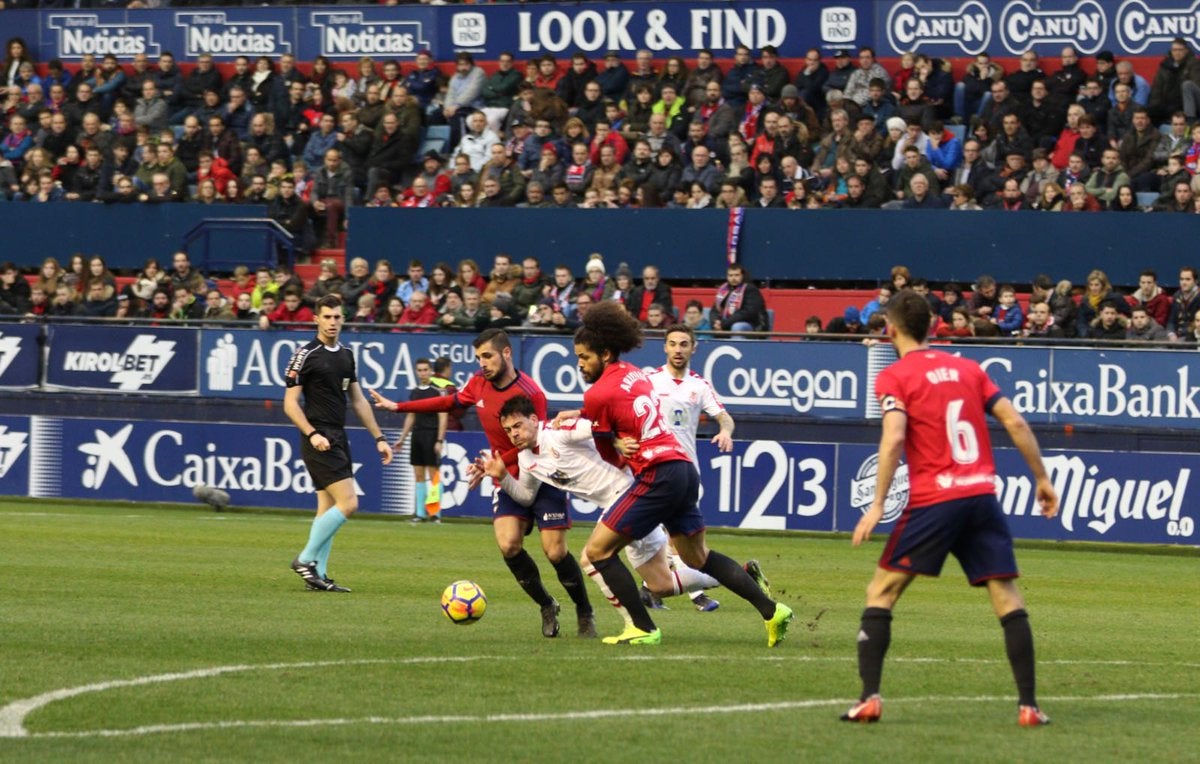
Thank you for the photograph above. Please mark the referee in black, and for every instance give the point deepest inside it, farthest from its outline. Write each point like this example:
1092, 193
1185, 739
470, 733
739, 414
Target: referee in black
324, 372
428, 434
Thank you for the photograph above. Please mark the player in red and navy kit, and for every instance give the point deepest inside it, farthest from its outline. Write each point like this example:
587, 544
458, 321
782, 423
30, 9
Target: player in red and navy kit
666, 485
934, 407
496, 381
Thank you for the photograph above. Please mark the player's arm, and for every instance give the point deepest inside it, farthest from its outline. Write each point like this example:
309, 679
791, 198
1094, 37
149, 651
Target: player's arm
523, 490
891, 447
724, 437
295, 412
362, 408
565, 416
423, 406
1025, 441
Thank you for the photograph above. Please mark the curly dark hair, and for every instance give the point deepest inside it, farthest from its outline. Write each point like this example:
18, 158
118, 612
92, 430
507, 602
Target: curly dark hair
607, 326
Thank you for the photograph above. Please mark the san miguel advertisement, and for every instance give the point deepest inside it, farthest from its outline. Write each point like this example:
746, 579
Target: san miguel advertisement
760, 485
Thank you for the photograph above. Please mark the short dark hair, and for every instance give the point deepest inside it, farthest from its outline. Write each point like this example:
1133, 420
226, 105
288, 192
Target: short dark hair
441, 365
421, 361
909, 312
681, 328
497, 338
328, 301
518, 405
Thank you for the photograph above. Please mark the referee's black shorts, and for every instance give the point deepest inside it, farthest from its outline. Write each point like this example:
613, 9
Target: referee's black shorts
328, 467
421, 450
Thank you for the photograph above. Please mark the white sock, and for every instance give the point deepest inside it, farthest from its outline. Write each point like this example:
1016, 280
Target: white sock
693, 581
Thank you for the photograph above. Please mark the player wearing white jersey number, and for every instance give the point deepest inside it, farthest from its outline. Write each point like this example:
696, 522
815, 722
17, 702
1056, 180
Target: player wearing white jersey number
682, 396
566, 458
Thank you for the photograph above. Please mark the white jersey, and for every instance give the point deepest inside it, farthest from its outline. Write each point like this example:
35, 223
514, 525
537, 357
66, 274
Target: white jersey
567, 458
681, 400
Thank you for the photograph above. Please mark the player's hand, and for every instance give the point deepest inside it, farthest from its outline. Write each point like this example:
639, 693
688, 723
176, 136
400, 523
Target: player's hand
723, 441
564, 417
319, 442
385, 451
493, 466
626, 446
1047, 498
475, 473
866, 524
381, 402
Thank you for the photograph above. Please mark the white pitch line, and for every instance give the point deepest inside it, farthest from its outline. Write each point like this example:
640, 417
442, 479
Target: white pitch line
611, 713
13, 715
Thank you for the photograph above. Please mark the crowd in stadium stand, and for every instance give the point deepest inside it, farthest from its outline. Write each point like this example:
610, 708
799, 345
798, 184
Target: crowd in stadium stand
310, 139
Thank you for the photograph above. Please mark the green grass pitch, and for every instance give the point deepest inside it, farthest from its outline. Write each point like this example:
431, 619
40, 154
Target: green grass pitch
97, 599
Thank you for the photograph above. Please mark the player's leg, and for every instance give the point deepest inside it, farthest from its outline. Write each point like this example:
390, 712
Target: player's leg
603, 551
510, 530
419, 489
985, 551
335, 503
598, 580
554, 544
691, 581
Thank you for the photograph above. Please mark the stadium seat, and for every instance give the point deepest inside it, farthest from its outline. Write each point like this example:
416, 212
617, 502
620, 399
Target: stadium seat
960, 100
958, 131
440, 133
1146, 198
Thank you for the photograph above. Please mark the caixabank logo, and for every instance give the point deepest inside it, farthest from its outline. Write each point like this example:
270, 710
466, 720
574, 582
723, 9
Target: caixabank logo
350, 34
215, 33
81, 34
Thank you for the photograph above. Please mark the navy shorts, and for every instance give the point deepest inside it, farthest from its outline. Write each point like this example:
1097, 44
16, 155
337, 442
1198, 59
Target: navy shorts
666, 493
972, 529
549, 509
328, 467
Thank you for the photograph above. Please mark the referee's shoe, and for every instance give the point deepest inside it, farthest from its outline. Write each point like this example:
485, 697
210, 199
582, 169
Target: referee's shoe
312, 579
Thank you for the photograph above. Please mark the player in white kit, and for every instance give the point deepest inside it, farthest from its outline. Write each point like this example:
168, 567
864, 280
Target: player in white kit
566, 458
682, 396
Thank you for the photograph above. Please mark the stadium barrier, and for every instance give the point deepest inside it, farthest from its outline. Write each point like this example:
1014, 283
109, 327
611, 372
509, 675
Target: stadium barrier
1089, 386
762, 484
775, 245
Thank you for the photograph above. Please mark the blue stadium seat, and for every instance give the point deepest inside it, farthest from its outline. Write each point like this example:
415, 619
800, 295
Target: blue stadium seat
439, 133
958, 131
1146, 198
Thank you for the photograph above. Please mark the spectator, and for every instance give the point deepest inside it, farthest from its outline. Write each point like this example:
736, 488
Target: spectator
984, 300
100, 302
216, 308
857, 88
848, 323
1099, 291
419, 311
1040, 322
1020, 82
355, 283
1181, 200
1052, 198
1143, 328
1043, 172
332, 195
1184, 304
1176, 84
477, 142
1137, 151
921, 197
468, 275
1009, 318
471, 317
499, 90
465, 88
651, 291
15, 293
1151, 298
1108, 324
739, 305
1104, 182
1079, 200
329, 281
292, 310
1125, 201
150, 111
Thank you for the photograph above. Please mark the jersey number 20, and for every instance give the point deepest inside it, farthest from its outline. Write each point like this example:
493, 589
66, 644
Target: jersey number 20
964, 443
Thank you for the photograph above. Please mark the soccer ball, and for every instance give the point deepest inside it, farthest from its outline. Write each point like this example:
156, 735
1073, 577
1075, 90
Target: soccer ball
464, 602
